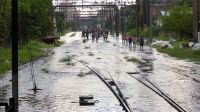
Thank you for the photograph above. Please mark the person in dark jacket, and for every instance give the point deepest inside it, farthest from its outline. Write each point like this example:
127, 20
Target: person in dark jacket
141, 43
130, 41
87, 34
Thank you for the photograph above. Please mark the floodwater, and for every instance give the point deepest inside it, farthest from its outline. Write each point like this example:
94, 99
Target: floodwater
62, 82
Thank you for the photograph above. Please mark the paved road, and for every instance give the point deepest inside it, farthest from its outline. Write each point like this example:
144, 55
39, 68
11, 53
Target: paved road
62, 84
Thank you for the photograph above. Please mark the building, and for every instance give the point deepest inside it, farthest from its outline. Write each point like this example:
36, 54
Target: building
150, 11
158, 8
196, 21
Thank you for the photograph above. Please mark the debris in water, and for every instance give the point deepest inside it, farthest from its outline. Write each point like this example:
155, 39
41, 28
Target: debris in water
87, 47
45, 70
70, 63
90, 54
66, 59
133, 72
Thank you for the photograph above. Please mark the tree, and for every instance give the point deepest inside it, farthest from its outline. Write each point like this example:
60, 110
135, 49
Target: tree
5, 21
179, 21
61, 22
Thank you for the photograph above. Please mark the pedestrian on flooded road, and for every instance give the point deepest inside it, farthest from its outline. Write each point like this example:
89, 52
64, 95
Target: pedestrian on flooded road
93, 36
106, 32
126, 39
141, 43
130, 41
83, 33
105, 36
87, 34
123, 38
97, 36
134, 41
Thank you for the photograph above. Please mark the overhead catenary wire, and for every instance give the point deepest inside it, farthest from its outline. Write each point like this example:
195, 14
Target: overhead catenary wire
28, 40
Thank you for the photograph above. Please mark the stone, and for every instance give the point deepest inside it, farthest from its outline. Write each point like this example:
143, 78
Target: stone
169, 46
191, 44
196, 46
163, 44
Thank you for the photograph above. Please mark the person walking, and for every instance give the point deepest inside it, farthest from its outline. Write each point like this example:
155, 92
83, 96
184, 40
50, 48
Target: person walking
97, 36
141, 43
130, 41
134, 41
104, 36
87, 34
93, 36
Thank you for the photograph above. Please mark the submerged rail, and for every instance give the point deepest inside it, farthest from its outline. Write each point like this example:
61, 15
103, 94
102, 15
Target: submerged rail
118, 94
160, 93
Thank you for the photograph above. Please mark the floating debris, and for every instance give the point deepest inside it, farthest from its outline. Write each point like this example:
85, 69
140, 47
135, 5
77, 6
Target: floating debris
66, 59
133, 72
90, 54
87, 47
70, 63
45, 70
132, 59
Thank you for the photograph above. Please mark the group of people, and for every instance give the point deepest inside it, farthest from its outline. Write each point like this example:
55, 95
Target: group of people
132, 40
95, 34
98, 33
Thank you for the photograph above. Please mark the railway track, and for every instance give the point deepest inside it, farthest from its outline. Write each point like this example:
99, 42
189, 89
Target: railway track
111, 84
146, 82
143, 80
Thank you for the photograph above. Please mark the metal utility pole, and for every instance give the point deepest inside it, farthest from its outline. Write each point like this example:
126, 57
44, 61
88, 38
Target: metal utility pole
15, 55
122, 19
117, 21
137, 9
196, 20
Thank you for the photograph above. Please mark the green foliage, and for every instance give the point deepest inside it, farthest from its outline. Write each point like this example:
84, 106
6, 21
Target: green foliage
131, 23
163, 36
151, 31
133, 59
5, 21
35, 15
183, 3
5, 55
179, 20
35, 19
61, 23
181, 53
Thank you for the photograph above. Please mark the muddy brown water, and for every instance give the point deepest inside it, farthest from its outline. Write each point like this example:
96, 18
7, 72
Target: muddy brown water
61, 84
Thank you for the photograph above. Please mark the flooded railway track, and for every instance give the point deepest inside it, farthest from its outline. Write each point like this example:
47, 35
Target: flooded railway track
110, 83
143, 80
146, 82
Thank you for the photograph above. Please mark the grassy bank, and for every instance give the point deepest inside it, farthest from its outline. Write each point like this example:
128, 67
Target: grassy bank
180, 53
5, 54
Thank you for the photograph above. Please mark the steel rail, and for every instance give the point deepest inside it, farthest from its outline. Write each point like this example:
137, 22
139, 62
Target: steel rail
120, 92
164, 94
161, 94
117, 95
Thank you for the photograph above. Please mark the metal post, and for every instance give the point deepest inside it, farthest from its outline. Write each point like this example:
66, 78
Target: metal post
15, 53
117, 21
137, 20
122, 16
196, 19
